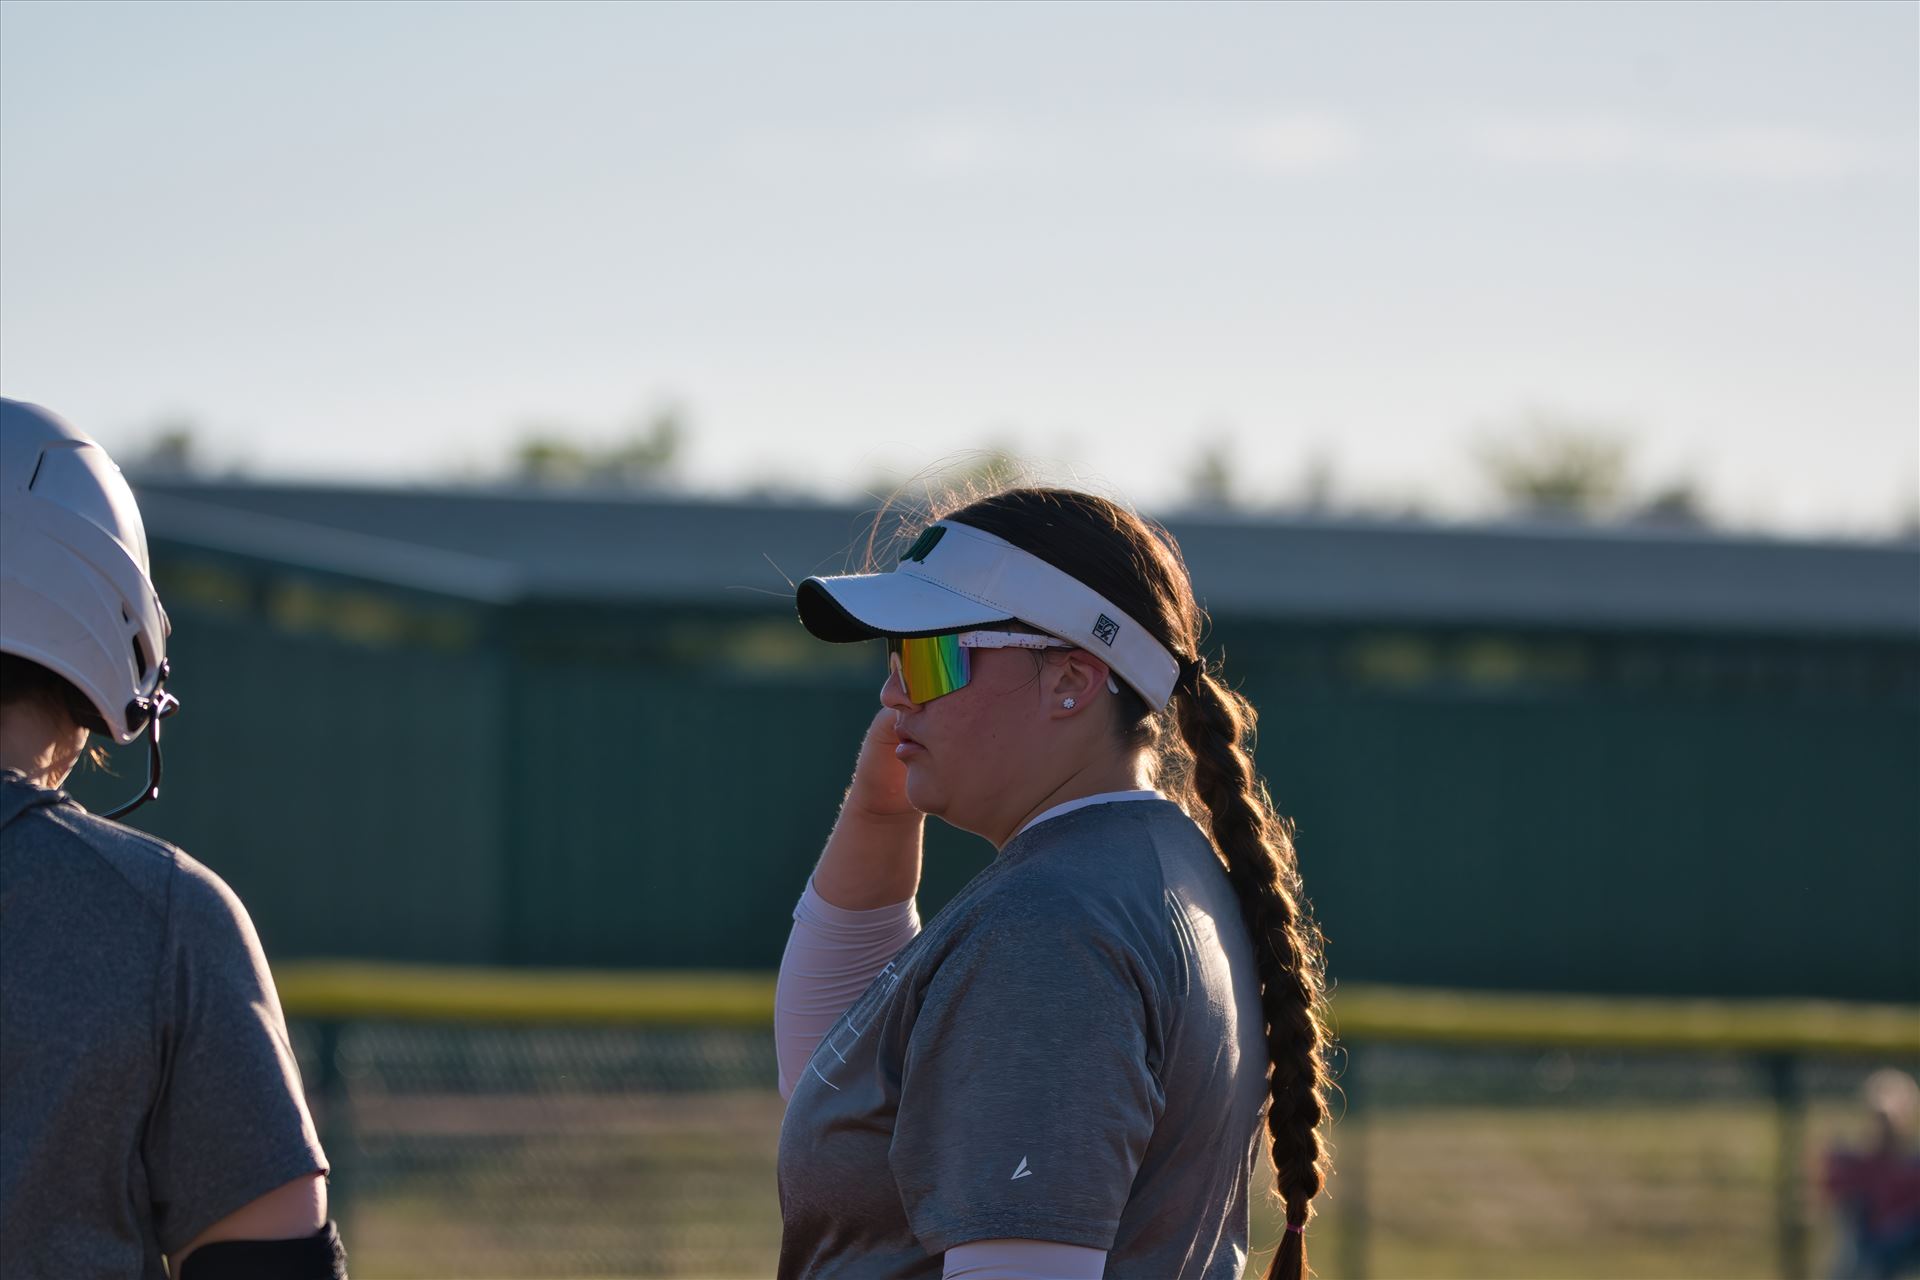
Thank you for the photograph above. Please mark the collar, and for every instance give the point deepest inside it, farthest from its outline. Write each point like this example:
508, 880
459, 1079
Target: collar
1084, 802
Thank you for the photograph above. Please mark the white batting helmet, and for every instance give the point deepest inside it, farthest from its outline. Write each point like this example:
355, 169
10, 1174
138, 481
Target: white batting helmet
76, 587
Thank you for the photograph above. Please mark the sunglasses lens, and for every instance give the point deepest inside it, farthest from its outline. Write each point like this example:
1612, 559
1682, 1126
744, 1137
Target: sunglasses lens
930, 666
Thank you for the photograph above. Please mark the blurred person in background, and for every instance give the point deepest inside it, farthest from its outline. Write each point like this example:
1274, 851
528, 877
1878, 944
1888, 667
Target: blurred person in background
1876, 1191
1066, 1073
152, 1121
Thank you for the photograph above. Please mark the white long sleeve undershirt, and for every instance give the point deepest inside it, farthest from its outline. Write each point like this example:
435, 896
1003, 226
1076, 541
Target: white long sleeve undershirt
833, 954
1023, 1260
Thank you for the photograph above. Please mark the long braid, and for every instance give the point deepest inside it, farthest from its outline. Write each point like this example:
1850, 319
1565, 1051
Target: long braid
1257, 846
1209, 767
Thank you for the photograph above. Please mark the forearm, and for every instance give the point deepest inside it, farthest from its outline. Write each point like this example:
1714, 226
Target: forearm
871, 859
832, 956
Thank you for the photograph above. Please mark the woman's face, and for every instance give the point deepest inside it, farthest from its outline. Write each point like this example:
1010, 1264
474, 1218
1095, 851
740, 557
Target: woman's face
978, 756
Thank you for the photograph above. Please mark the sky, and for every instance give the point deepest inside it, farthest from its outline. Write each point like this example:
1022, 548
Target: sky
384, 241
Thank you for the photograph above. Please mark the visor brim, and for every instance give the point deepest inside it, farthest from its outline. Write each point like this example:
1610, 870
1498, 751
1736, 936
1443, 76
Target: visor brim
869, 606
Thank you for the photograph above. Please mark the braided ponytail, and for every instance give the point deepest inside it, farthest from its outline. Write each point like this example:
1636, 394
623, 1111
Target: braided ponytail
1208, 767
1217, 727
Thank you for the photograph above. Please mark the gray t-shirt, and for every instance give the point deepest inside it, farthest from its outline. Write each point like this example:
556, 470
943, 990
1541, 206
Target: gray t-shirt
147, 1087
1072, 1051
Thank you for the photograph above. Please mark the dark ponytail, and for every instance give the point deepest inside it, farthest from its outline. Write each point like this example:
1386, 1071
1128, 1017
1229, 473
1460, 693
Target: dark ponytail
1203, 745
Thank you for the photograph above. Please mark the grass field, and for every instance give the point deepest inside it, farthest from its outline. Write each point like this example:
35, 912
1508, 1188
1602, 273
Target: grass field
682, 1185
1601, 1193
1633, 1144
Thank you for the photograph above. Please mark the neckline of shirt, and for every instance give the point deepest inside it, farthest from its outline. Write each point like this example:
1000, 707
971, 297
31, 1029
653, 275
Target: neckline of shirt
1084, 802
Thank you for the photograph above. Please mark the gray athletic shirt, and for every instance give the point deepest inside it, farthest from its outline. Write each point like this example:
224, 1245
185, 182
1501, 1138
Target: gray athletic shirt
1071, 1051
147, 1088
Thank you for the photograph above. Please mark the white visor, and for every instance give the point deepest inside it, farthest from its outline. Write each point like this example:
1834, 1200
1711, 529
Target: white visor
955, 577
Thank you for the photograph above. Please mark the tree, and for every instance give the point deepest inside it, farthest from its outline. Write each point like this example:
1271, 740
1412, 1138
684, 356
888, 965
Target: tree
1210, 477
172, 450
1677, 505
1558, 468
644, 458
549, 457
1319, 484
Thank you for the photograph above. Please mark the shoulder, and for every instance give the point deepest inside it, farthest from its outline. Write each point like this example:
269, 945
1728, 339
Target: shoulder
1094, 877
1080, 863
203, 909
54, 837
1120, 836
1125, 851
93, 855
1140, 871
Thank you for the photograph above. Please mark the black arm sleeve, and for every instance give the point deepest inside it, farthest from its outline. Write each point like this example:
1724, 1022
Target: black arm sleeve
319, 1256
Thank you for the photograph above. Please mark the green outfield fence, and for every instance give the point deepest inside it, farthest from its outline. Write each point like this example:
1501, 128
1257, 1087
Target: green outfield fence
519, 1123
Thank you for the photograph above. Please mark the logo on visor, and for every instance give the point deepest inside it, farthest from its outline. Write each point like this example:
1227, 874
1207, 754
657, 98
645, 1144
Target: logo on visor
925, 543
1105, 630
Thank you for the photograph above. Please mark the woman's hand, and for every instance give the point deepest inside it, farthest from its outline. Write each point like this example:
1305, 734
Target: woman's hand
872, 859
879, 784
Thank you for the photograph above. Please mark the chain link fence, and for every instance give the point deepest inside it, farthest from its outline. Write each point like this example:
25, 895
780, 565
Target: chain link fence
476, 1150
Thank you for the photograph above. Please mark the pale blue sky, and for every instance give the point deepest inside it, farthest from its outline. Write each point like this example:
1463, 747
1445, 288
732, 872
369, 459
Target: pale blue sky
375, 240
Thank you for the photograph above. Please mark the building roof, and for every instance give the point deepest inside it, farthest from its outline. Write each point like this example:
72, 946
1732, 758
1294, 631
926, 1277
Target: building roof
502, 546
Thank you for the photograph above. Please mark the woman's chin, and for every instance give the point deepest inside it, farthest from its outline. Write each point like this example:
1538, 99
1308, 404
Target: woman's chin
922, 794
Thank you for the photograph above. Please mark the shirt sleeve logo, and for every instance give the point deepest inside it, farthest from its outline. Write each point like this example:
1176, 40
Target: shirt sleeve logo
1105, 629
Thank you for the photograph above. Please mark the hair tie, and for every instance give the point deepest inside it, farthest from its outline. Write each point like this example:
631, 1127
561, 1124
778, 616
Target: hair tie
1296, 1229
1190, 672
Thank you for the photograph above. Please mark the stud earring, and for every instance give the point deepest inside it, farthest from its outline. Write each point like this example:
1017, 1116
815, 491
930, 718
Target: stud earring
1067, 703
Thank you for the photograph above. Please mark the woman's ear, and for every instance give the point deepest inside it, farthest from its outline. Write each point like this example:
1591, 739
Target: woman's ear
1073, 683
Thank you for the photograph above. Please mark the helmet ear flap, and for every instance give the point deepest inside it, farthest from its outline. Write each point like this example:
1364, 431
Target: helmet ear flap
158, 705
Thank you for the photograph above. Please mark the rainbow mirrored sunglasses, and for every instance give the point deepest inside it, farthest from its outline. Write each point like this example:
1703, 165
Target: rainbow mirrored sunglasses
934, 666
